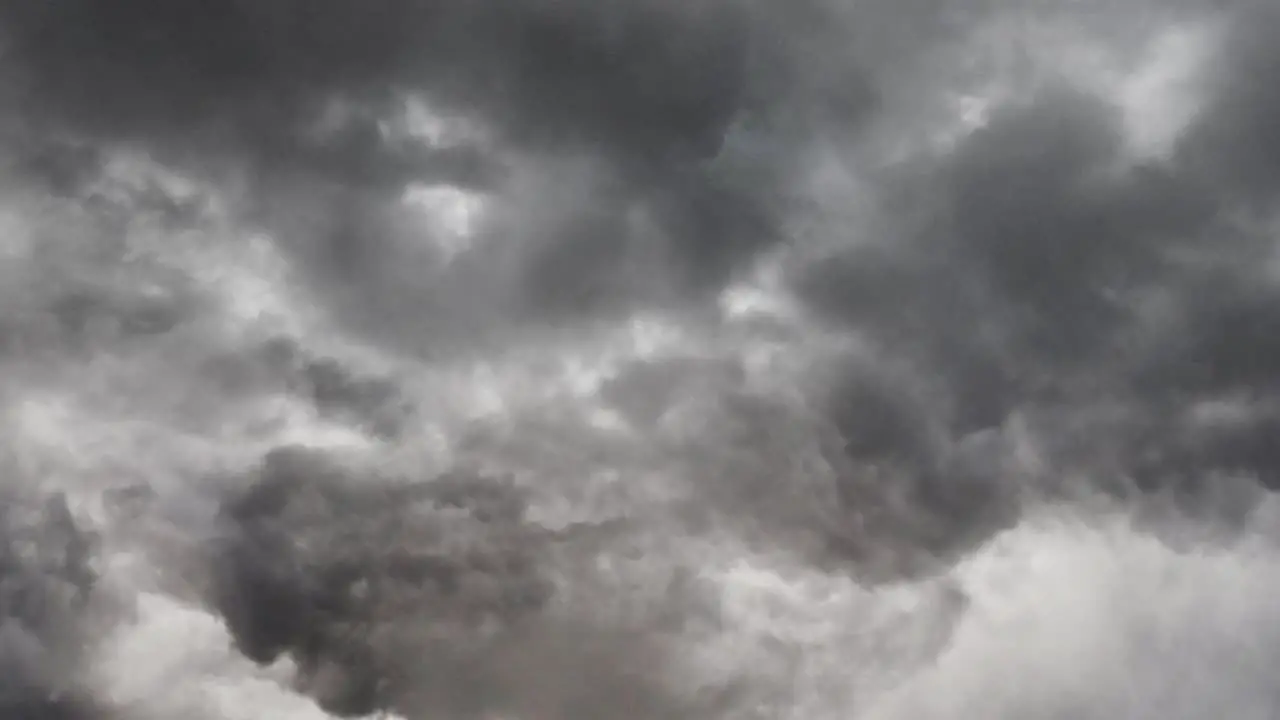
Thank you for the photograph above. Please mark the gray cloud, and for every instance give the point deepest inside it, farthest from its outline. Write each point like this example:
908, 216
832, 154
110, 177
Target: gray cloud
47, 588
642, 153
1235, 142
422, 596
1050, 275
651, 90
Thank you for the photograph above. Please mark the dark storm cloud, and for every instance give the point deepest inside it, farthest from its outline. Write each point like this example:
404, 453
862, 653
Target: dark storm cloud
1224, 340
1051, 245
1026, 290
423, 598
645, 82
46, 589
1236, 141
1051, 278
326, 601
689, 233
61, 166
910, 496
1052, 236
1031, 268
1217, 342
648, 89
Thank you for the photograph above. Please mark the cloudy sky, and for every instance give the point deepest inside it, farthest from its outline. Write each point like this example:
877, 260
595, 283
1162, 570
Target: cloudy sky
569, 359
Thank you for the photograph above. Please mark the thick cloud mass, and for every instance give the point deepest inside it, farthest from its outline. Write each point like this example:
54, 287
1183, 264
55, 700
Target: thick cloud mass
570, 359
46, 590
1039, 274
1236, 141
324, 570
647, 84
652, 82
649, 89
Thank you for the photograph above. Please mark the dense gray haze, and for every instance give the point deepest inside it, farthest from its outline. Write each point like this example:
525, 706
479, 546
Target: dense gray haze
639, 359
